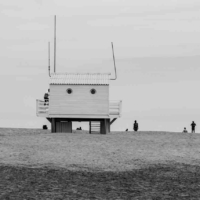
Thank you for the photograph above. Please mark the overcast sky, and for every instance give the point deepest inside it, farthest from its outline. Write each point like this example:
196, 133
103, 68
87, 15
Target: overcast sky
157, 50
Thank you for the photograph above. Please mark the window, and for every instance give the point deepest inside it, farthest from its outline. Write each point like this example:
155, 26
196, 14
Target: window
93, 91
69, 90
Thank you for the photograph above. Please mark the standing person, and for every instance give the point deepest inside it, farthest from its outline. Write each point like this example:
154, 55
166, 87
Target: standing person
46, 97
135, 126
193, 127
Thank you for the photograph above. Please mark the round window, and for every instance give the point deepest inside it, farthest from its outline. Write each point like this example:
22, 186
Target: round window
69, 90
93, 91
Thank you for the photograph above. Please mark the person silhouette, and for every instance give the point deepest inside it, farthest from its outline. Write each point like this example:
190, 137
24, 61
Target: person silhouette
135, 126
193, 127
185, 130
46, 97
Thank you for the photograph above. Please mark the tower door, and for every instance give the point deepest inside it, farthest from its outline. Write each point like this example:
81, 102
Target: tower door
63, 127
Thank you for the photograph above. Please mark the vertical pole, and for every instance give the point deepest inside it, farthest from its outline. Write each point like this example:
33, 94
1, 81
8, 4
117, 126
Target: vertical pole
120, 108
49, 60
114, 62
104, 126
89, 126
108, 125
101, 126
55, 44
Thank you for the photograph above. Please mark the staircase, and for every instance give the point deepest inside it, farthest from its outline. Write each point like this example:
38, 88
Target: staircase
95, 127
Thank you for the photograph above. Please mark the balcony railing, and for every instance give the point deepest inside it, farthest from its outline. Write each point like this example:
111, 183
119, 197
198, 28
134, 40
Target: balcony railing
115, 107
42, 109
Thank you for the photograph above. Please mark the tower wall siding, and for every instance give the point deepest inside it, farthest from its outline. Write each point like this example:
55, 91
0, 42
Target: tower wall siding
80, 101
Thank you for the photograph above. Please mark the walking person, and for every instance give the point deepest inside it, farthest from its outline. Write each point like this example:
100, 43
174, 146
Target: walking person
135, 126
193, 127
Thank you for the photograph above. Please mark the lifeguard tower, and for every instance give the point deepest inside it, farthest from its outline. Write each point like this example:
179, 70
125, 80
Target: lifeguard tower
79, 97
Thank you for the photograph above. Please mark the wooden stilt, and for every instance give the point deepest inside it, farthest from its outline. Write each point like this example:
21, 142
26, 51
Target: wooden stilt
101, 126
108, 125
105, 127
90, 127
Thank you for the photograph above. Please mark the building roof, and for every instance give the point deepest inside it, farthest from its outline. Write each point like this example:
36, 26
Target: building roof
80, 78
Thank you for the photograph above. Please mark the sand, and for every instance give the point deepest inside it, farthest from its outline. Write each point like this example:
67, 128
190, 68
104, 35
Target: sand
116, 151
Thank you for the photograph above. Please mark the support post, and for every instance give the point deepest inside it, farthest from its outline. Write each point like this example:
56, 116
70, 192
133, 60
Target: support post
105, 127
101, 126
90, 127
108, 125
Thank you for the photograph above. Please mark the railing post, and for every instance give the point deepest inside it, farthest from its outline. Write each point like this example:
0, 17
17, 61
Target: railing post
36, 107
120, 108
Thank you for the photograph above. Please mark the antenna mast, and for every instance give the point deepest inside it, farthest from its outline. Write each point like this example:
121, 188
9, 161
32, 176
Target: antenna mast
55, 44
49, 60
114, 63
